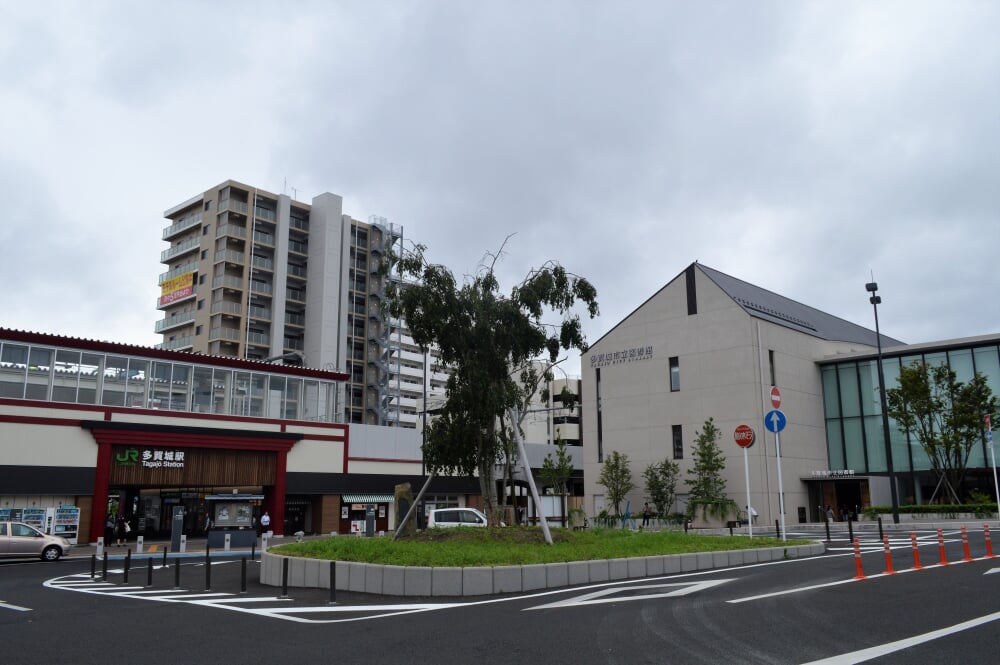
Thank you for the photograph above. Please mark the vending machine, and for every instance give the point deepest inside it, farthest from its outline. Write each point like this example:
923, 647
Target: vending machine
65, 521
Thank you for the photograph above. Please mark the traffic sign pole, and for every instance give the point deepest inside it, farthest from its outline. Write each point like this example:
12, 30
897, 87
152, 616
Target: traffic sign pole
746, 467
775, 421
745, 437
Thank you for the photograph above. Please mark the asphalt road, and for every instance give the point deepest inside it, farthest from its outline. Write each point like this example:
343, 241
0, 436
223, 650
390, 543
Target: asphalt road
795, 611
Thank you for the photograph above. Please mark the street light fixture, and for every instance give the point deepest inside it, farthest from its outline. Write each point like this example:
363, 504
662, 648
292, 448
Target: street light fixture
876, 300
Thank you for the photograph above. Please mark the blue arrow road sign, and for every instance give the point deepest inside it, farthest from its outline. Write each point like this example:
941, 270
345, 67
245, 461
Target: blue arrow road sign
775, 421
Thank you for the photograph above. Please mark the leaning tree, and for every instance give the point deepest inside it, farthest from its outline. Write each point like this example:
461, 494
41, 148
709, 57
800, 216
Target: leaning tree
485, 339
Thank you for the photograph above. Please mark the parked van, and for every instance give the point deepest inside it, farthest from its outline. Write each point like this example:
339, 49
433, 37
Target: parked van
455, 517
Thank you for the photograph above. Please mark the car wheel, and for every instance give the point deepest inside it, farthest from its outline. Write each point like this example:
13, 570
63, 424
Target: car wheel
51, 553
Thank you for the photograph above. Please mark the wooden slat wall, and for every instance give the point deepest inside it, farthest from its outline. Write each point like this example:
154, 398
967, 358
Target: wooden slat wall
201, 467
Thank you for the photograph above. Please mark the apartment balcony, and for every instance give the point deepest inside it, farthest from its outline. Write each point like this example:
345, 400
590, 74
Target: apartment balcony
300, 224
180, 344
171, 322
224, 333
228, 282
261, 289
262, 238
296, 271
227, 307
258, 313
233, 205
177, 272
185, 247
260, 263
298, 247
231, 231
296, 295
181, 226
230, 256
297, 320
265, 213
259, 339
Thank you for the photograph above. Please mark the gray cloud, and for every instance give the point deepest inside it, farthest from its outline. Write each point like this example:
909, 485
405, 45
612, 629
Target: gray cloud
796, 146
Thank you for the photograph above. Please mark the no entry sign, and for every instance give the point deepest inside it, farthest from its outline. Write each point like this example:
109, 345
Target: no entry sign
775, 397
744, 436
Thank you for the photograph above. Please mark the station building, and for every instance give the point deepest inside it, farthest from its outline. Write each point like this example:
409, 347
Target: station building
93, 428
708, 345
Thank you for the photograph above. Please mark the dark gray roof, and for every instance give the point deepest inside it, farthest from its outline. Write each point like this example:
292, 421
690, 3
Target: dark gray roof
767, 306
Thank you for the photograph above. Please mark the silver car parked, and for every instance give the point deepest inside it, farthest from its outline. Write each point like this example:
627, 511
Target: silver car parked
22, 540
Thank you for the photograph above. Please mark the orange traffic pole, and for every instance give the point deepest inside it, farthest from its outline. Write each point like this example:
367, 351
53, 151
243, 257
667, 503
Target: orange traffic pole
888, 557
916, 551
965, 545
944, 560
857, 560
989, 543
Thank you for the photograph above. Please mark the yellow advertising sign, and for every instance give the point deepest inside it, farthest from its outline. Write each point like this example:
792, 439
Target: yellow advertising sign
177, 288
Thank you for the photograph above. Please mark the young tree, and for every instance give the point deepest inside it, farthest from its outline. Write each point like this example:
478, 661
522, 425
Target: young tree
556, 472
616, 476
661, 484
708, 487
484, 337
944, 415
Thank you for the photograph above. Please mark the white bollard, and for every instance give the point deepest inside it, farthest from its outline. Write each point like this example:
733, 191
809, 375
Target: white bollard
184, 543
138, 544
228, 536
100, 546
263, 541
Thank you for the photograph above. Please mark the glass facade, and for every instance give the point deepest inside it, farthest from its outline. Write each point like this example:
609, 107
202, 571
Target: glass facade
58, 374
854, 416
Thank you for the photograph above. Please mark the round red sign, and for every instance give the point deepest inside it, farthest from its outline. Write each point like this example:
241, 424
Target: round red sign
775, 397
744, 436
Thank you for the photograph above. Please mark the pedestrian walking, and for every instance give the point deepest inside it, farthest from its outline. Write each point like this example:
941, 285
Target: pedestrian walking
646, 512
121, 530
265, 523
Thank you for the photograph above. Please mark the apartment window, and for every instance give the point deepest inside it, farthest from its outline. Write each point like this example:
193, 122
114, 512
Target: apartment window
201, 303
675, 375
770, 362
678, 442
204, 254
204, 230
208, 205
198, 330
201, 279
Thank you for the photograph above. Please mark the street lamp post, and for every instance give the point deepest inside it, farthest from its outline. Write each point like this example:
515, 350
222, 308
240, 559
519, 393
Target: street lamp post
875, 300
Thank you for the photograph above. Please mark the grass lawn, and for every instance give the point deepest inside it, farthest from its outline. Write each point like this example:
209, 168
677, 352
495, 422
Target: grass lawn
516, 545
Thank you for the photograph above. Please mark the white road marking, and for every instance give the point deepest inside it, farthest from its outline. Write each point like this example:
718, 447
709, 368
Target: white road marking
892, 647
598, 597
16, 608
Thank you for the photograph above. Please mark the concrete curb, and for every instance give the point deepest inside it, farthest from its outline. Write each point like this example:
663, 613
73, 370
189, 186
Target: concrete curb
485, 580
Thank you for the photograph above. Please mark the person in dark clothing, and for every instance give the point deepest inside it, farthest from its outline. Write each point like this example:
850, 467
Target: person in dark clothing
120, 531
109, 529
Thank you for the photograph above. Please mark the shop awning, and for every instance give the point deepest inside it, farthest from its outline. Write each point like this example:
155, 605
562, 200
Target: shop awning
234, 497
367, 498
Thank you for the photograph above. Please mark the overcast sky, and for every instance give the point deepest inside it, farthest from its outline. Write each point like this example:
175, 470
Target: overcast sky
800, 146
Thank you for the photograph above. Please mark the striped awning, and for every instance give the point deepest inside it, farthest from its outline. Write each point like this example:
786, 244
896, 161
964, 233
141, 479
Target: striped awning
368, 498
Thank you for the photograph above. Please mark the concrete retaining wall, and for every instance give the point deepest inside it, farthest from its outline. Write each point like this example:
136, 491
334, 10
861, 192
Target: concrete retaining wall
483, 581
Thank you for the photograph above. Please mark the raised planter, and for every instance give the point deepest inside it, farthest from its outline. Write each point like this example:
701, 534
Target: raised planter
489, 580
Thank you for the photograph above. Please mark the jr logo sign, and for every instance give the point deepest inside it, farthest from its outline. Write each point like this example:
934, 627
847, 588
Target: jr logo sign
127, 457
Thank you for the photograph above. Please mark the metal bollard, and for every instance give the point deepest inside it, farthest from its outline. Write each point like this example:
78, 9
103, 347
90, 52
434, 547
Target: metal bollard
944, 560
777, 529
208, 570
880, 534
149, 571
850, 531
916, 551
827, 530
243, 576
177, 573
93, 566
284, 577
165, 550
104, 568
333, 582
253, 549
128, 564
888, 557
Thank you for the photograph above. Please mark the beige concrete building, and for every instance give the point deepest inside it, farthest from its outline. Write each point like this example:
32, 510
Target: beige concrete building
256, 275
709, 345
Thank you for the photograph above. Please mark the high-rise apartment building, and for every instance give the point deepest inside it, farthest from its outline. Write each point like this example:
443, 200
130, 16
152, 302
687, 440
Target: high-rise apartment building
257, 275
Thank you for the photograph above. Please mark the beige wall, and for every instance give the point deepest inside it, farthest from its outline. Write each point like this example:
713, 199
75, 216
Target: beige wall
721, 352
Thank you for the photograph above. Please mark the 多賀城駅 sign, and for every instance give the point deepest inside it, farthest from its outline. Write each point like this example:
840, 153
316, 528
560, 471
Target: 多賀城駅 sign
151, 458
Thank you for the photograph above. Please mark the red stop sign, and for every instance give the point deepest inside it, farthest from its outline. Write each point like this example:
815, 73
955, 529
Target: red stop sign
775, 397
744, 436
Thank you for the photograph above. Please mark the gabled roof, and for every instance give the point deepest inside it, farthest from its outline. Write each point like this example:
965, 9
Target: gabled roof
767, 306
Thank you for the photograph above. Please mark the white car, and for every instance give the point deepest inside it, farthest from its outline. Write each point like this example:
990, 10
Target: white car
455, 517
21, 540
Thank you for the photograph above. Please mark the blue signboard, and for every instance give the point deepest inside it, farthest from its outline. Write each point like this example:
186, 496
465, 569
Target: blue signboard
775, 421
